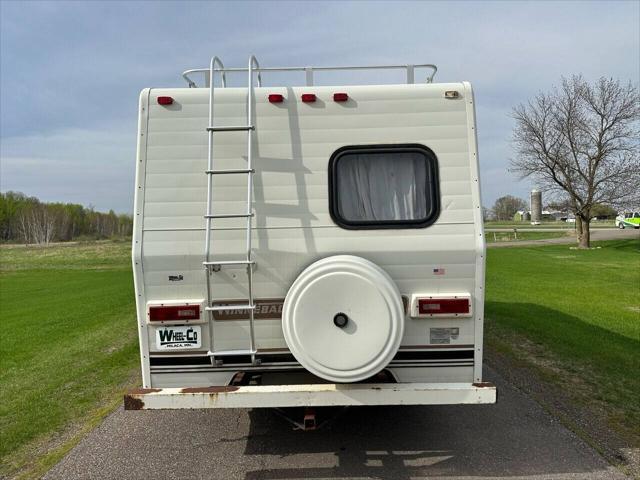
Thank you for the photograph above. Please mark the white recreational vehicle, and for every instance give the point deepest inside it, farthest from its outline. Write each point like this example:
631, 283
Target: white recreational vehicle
308, 246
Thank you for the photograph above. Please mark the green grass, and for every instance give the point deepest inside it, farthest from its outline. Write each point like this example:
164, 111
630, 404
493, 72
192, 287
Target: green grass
497, 237
68, 345
581, 309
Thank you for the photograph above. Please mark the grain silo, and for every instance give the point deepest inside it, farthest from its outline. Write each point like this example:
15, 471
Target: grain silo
536, 206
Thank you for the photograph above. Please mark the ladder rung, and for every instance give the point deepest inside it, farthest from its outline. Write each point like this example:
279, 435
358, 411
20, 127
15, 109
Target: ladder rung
221, 308
230, 215
238, 128
229, 353
227, 172
229, 262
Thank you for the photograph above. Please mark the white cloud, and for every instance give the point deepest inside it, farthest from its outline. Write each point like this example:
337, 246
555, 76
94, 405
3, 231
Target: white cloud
73, 165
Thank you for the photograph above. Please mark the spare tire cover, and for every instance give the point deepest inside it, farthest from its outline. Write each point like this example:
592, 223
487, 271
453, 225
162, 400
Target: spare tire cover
313, 318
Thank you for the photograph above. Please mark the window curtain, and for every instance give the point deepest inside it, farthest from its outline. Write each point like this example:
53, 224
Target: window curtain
382, 186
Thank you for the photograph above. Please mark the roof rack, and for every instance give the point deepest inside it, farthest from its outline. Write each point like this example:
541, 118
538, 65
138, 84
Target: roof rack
309, 71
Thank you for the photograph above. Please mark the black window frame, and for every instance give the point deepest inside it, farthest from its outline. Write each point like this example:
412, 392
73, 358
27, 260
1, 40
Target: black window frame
432, 164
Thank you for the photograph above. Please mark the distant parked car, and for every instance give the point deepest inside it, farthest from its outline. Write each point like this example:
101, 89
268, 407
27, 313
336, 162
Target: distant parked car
570, 220
628, 219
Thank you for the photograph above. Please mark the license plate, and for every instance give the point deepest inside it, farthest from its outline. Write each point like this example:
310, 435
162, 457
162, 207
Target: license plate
178, 338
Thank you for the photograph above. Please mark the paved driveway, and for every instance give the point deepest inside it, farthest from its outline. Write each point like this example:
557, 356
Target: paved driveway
513, 439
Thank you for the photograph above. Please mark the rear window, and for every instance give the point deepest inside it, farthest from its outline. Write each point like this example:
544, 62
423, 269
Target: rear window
384, 186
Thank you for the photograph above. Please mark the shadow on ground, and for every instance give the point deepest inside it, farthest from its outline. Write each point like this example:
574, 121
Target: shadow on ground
399, 443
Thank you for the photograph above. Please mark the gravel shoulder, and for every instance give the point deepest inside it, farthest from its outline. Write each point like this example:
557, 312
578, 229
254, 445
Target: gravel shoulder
586, 421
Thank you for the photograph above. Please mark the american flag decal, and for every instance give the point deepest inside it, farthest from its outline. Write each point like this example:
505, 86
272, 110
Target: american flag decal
438, 271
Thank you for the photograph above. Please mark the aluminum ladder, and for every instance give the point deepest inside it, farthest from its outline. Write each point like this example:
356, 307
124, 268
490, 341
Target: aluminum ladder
213, 265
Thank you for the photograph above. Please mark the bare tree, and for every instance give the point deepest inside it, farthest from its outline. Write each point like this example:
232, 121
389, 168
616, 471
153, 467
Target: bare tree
37, 225
581, 140
506, 207
23, 227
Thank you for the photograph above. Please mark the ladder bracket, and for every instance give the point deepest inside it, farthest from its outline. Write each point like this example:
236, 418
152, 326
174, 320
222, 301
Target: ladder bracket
231, 353
215, 266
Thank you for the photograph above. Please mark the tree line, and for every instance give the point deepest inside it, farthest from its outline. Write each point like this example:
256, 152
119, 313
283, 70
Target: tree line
25, 219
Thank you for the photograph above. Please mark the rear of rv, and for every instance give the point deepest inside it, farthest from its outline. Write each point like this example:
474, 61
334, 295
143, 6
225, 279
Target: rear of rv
309, 246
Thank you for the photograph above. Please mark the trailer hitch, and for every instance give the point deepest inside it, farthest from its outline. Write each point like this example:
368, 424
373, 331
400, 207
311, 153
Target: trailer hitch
309, 419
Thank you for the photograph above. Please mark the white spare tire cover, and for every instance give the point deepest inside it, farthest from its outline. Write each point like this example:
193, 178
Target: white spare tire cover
343, 318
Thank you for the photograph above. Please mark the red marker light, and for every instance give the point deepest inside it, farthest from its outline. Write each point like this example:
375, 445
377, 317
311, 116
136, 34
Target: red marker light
308, 97
275, 98
174, 312
165, 100
443, 306
340, 97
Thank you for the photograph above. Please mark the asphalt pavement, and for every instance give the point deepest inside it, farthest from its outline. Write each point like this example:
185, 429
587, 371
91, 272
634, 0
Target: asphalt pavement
514, 439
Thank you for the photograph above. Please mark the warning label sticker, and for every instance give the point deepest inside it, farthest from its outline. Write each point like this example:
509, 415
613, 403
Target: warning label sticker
441, 336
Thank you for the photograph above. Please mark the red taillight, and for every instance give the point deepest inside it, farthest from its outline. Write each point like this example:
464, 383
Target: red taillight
340, 97
308, 97
165, 100
446, 306
174, 312
275, 98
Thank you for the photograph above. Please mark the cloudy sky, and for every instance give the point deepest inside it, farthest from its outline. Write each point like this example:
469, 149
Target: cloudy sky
70, 73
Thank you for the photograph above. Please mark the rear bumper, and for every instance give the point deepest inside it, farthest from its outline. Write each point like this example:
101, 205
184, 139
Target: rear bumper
314, 395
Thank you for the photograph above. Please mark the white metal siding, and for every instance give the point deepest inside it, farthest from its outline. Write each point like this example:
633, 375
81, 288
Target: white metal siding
293, 144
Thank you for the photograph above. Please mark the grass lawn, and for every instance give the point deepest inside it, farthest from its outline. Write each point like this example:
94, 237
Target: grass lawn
69, 346
581, 312
498, 237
